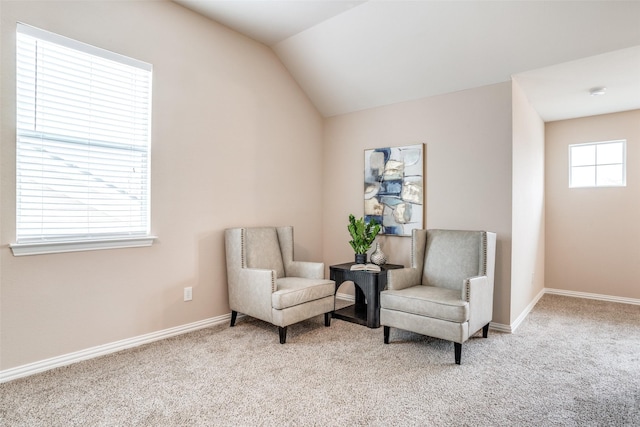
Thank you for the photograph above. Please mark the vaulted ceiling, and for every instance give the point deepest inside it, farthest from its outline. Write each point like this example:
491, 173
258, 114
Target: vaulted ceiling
354, 55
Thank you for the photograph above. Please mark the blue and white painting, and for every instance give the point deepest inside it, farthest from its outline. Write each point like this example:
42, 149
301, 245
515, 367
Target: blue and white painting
394, 188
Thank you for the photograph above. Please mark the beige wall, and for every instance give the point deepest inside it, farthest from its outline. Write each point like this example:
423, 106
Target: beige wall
234, 142
593, 234
527, 261
468, 171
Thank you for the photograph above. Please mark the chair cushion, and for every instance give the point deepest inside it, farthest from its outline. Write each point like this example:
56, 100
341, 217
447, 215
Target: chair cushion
292, 291
263, 249
428, 301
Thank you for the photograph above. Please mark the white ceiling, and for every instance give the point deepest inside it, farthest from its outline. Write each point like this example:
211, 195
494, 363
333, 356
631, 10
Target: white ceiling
562, 91
354, 55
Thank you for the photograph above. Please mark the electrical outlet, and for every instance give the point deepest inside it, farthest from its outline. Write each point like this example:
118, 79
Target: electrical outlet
188, 295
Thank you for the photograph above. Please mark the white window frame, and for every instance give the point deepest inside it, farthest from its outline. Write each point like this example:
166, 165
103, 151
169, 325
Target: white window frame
94, 238
597, 164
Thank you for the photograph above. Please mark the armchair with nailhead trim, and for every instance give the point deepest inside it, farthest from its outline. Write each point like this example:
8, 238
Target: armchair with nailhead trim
447, 292
266, 283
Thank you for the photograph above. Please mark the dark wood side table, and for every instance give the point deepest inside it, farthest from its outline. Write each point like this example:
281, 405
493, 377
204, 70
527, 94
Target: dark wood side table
368, 285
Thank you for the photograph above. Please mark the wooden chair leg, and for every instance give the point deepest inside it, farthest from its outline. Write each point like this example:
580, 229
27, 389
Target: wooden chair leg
387, 329
283, 334
234, 314
485, 331
458, 351
327, 319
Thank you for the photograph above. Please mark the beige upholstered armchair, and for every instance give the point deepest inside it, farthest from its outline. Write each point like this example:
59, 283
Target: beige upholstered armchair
266, 283
447, 292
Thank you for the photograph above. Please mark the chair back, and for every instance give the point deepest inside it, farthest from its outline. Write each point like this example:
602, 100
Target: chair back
451, 256
262, 249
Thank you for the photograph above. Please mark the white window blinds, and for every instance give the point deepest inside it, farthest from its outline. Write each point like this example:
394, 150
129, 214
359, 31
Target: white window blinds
83, 140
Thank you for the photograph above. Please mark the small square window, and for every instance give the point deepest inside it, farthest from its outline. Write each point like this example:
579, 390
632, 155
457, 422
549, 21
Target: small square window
597, 164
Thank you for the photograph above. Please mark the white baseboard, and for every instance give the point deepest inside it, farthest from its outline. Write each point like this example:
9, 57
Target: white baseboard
500, 327
90, 353
587, 295
101, 350
600, 297
526, 311
512, 327
346, 297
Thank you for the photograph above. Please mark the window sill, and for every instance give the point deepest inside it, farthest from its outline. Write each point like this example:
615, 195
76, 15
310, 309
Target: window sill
40, 248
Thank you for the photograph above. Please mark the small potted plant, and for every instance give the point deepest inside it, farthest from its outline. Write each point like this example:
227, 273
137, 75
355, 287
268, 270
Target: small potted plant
362, 236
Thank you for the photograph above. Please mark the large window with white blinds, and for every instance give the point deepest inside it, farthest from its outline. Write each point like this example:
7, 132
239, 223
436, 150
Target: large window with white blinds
83, 145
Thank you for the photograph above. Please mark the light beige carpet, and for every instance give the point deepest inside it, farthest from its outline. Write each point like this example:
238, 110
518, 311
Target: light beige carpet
573, 362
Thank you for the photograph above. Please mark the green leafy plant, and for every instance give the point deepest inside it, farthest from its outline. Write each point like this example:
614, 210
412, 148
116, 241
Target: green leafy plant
362, 234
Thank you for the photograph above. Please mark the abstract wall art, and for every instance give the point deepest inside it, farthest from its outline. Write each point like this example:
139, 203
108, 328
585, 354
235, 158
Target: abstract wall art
394, 188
